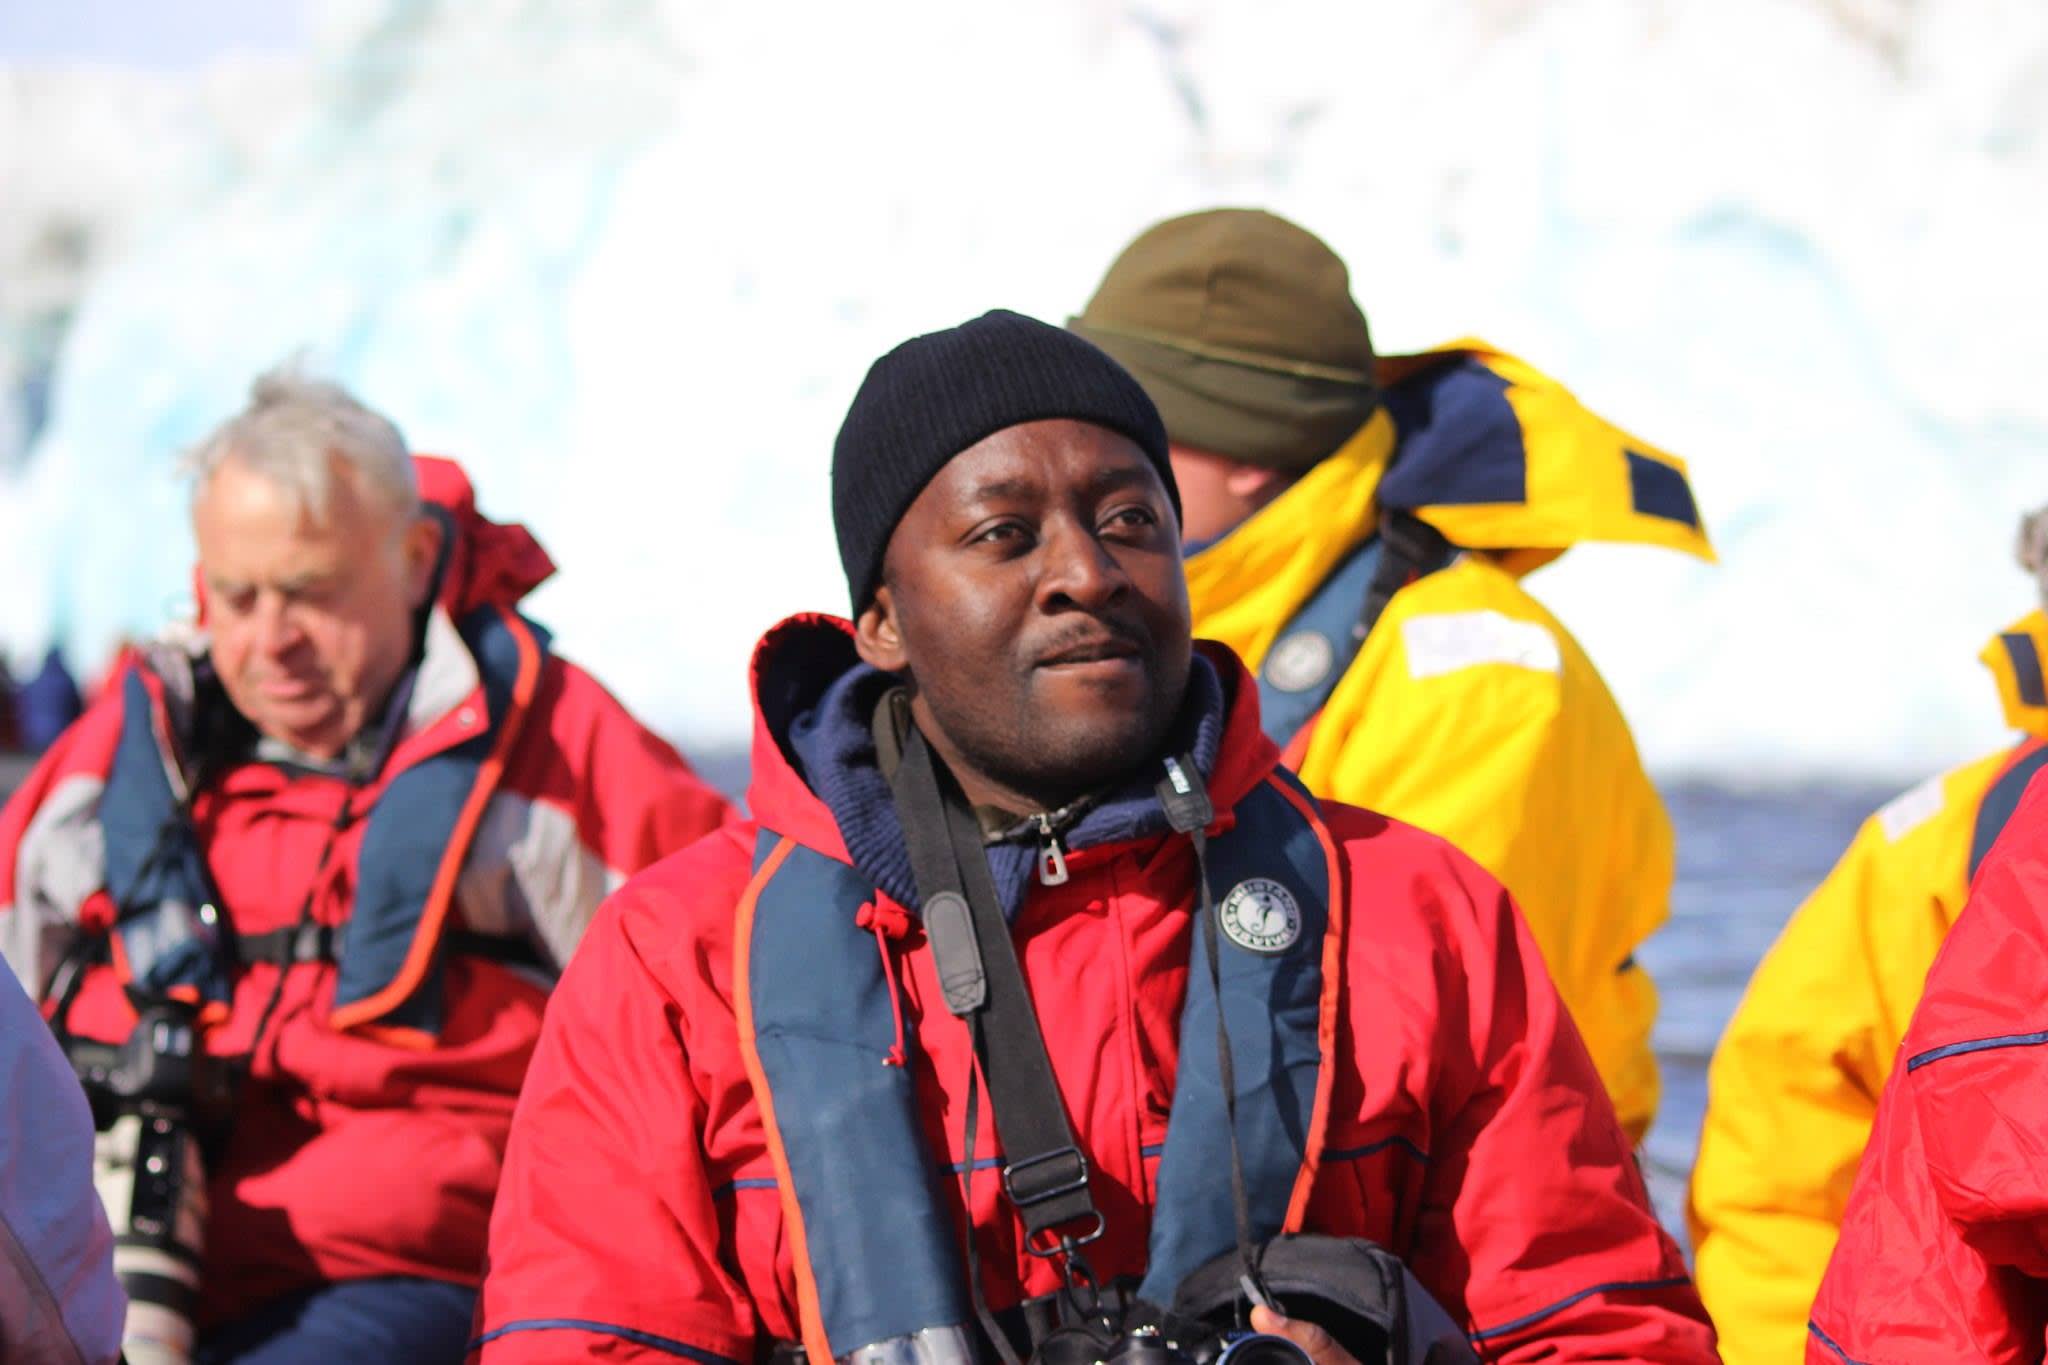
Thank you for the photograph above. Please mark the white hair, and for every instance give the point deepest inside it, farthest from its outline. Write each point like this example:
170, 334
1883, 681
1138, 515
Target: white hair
292, 432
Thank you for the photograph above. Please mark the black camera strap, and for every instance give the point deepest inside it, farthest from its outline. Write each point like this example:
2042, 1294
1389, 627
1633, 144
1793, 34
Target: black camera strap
1044, 1173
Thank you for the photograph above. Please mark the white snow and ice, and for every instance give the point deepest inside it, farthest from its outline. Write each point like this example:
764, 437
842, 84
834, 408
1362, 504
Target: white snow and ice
628, 260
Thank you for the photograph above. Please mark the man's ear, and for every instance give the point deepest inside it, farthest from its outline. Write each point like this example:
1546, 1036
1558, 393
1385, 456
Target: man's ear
876, 635
422, 552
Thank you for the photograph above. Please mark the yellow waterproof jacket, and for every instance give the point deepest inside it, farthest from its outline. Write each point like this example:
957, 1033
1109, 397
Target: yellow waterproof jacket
1793, 1087
1469, 710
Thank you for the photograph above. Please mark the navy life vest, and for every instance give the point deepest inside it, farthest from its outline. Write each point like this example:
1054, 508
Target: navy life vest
814, 1057
174, 937
1316, 647
1313, 651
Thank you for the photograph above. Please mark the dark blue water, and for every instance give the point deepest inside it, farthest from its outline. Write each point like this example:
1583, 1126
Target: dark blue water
1745, 861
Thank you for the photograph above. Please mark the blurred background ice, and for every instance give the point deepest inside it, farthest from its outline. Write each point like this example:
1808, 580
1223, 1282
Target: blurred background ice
628, 260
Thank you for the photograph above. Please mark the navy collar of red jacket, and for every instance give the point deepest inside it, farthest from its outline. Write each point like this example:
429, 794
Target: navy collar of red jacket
818, 699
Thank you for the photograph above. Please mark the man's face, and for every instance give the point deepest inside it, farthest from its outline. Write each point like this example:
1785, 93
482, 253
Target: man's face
311, 617
1033, 591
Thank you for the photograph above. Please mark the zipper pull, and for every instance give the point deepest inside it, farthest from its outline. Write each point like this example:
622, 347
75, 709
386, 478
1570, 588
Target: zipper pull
1052, 862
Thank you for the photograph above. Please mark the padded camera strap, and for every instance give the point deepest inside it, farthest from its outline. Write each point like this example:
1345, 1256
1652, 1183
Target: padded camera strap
1044, 1173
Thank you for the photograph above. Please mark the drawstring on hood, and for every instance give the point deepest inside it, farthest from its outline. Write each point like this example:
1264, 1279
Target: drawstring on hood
889, 925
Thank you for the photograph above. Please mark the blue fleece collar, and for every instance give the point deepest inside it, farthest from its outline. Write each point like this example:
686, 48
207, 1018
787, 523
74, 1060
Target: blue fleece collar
833, 746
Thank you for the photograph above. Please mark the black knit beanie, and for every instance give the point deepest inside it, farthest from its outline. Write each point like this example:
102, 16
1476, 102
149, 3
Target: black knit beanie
936, 395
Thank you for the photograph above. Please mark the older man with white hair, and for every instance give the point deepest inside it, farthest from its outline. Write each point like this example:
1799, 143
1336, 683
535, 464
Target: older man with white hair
344, 835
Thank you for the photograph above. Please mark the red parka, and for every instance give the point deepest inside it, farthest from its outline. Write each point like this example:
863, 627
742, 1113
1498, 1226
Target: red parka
1944, 1250
639, 1217
356, 1150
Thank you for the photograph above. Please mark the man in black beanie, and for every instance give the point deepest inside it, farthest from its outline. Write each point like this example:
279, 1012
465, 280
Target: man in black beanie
937, 1034
1007, 518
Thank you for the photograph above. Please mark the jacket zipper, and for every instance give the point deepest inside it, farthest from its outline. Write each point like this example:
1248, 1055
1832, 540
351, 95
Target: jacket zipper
1052, 859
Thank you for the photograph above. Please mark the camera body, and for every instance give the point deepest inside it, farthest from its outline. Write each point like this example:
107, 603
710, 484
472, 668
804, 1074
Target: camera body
1152, 1346
150, 1096
1171, 1341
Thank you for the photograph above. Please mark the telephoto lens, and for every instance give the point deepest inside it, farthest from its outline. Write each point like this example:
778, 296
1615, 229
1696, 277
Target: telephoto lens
148, 1174
146, 1094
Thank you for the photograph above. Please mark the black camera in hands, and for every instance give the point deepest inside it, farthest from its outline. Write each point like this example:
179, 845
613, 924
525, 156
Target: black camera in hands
151, 1096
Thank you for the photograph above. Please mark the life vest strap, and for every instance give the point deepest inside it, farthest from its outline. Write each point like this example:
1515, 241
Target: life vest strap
310, 942
1045, 1177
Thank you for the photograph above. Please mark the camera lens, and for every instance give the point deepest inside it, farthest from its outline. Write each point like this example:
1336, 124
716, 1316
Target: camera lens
1144, 1346
148, 1174
1261, 1348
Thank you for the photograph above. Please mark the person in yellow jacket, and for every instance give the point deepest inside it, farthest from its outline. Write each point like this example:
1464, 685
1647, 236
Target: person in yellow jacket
1793, 1087
1358, 526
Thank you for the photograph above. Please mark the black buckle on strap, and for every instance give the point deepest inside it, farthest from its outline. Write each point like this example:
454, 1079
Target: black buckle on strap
307, 941
1064, 1246
1066, 1181
313, 942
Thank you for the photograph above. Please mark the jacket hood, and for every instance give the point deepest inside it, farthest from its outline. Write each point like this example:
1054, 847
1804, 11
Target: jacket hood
2015, 657
1494, 454
816, 777
486, 563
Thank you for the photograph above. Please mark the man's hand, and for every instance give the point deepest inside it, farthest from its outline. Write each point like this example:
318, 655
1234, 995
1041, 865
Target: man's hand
1322, 1348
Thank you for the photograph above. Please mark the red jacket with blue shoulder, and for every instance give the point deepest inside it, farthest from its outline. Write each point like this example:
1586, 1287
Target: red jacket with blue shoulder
745, 1119
436, 898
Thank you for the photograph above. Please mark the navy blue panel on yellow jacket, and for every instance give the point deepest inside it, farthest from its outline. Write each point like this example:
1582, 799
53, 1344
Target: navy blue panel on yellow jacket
1460, 441
169, 925
821, 1054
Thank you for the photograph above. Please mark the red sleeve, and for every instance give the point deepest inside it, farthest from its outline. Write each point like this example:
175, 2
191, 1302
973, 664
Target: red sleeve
1539, 1231
604, 1238
1944, 1249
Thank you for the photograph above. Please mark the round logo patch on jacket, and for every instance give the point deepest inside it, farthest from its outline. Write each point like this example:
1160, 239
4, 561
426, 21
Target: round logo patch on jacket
1300, 661
1261, 915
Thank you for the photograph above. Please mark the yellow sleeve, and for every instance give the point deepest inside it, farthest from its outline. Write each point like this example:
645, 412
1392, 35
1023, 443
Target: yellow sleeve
1793, 1087
1472, 713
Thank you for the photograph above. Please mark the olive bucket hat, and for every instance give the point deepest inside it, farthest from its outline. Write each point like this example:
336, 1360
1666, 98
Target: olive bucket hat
1242, 328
